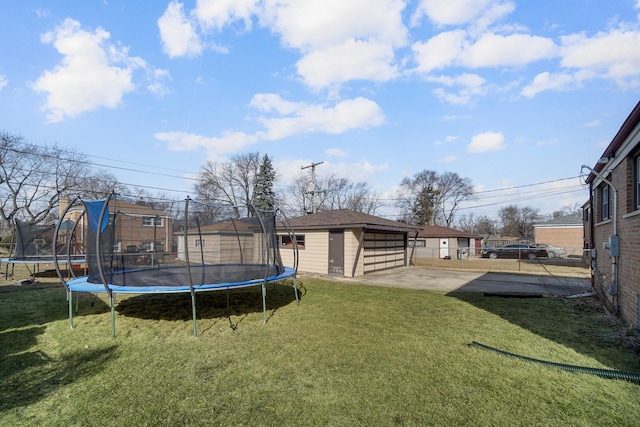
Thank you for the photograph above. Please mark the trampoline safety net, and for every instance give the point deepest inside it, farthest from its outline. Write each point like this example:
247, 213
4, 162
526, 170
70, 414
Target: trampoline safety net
129, 243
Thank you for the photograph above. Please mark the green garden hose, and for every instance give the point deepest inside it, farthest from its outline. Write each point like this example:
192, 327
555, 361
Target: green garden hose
604, 373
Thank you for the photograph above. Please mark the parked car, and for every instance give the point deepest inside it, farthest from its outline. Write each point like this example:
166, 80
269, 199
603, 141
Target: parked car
515, 250
553, 251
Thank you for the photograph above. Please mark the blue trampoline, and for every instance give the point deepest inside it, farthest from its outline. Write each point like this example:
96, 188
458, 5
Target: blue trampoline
132, 249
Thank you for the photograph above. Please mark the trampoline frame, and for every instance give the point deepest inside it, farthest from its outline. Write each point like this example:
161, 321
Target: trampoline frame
82, 284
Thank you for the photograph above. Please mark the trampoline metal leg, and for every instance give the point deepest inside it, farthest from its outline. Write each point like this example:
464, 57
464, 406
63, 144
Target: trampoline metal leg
70, 300
113, 314
295, 290
193, 309
264, 304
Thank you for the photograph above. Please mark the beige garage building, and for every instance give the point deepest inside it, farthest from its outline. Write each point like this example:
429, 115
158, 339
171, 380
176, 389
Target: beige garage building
346, 243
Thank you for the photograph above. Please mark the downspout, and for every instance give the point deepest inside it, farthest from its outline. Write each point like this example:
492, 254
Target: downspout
613, 289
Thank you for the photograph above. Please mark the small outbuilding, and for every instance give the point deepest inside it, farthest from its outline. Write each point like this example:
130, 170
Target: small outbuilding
346, 243
436, 241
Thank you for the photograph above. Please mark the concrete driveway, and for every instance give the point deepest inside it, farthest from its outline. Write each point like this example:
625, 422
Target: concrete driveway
504, 283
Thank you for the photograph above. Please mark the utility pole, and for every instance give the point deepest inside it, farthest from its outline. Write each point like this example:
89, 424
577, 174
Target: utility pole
313, 184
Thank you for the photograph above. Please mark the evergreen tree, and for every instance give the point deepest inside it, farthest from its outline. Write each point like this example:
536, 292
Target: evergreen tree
263, 194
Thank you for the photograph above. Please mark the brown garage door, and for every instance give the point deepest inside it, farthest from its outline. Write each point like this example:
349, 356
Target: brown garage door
383, 250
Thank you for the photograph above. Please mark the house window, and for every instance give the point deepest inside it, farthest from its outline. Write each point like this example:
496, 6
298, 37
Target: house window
585, 214
152, 221
604, 201
199, 243
287, 241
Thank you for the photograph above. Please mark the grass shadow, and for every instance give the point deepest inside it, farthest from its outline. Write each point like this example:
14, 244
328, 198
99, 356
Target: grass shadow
30, 376
209, 305
32, 304
584, 327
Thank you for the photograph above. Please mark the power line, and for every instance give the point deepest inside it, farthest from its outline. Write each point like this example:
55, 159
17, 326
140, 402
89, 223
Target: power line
483, 194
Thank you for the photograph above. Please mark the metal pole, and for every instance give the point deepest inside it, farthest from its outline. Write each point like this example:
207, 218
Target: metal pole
313, 183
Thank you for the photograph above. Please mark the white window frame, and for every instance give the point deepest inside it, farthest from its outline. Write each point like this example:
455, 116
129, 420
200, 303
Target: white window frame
152, 221
605, 211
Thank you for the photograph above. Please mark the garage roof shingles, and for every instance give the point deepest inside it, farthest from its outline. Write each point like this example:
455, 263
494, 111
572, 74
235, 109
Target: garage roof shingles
346, 218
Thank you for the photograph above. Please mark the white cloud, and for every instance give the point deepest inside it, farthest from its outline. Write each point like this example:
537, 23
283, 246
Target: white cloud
178, 35
295, 118
449, 159
92, 74
217, 14
89, 76
3, 81
493, 50
338, 40
355, 171
352, 60
305, 118
439, 51
455, 48
216, 147
547, 81
469, 86
317, 24
487, 141
460, 12
592, 123
614, 55
156, 85
336, 152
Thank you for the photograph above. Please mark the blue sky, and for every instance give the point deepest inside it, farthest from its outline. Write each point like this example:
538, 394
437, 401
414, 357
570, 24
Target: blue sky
515, 95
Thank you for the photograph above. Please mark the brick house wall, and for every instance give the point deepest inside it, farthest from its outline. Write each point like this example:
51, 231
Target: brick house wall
570, 238
621, 170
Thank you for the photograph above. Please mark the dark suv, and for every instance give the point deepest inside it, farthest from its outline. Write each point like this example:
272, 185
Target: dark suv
516, 250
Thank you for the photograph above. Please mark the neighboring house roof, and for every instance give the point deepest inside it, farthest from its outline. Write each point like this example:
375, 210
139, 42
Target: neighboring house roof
346, 218
571, 220
441, 232
127, 208
135, 209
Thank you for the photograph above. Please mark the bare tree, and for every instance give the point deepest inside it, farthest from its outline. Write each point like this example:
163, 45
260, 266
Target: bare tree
230, 183
429, 198
518, 221
480, 225
452, 190
97, 185
567, 210
331, 193
34, 178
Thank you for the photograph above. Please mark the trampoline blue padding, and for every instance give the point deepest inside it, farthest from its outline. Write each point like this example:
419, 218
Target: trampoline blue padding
174, 279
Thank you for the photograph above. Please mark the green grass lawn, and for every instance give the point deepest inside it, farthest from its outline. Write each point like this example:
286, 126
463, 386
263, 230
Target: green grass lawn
349, 354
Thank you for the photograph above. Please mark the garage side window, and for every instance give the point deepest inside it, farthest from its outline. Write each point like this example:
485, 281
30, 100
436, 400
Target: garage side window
287, 241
